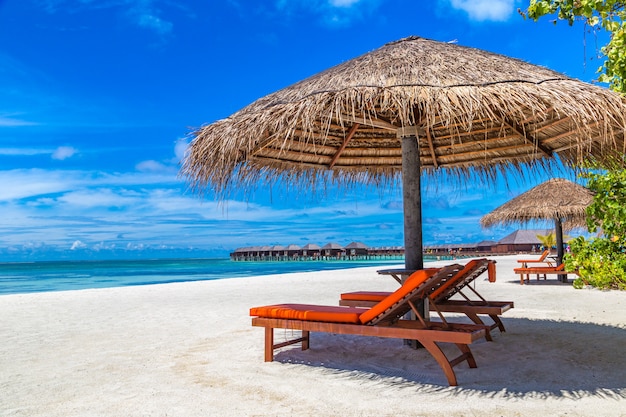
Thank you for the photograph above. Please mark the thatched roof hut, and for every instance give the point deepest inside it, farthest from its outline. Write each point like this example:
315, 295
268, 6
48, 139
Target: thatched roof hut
520, 241
357, 248
311, 246
332, 249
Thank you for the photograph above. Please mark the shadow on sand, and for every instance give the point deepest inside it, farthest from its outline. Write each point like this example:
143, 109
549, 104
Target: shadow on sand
541, 358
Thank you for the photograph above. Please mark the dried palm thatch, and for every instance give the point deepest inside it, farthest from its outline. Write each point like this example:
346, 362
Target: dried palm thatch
554, 199
557, 199
475, 113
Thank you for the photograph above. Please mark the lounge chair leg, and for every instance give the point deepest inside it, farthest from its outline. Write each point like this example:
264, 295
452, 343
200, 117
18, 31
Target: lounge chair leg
498, 322
305, 339
467, 355
474, 317
269, 344
441, 358
523, 277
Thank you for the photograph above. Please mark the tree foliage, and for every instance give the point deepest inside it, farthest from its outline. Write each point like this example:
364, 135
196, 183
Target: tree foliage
608, 15
548, 241
601, 261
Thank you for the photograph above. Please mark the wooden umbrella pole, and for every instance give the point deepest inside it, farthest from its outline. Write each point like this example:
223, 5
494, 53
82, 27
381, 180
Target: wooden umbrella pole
558, 226
411, 192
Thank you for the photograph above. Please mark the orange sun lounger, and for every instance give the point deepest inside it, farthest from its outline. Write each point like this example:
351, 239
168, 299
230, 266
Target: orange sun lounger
535, 263
541, 259
385, 319
524, 273
440, 301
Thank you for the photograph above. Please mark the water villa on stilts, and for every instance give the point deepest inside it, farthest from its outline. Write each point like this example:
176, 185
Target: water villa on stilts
520, 241
312, 252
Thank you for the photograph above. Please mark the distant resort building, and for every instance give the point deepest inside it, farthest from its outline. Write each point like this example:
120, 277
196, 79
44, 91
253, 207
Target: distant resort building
520, 241
311, 251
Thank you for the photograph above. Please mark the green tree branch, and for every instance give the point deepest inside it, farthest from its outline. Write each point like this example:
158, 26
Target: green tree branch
607, 15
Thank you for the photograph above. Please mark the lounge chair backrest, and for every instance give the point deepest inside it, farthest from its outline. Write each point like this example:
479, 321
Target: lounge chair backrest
472, 270
544, 255
416, 288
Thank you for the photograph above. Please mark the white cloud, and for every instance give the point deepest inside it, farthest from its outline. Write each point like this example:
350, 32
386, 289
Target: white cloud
93, 211
144, 13
343, 3
317, 4
332, 12
78, 245
13, 122
146, 17
180, 148
151, 166
23, 151
482, 10
19, 184
91, 199
36, 183
63, 152
168, 165
60, 153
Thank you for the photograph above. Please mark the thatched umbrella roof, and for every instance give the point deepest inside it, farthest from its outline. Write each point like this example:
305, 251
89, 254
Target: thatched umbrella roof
559, 200
554, 199
477, 112
411, 106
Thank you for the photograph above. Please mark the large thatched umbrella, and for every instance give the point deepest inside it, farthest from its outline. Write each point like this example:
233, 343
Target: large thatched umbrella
560, 200
411, 106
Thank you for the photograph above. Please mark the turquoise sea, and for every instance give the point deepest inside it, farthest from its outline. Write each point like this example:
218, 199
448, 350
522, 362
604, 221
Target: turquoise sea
28, 277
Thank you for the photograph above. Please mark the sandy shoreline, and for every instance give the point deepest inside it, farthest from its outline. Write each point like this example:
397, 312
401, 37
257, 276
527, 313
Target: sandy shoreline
188, 349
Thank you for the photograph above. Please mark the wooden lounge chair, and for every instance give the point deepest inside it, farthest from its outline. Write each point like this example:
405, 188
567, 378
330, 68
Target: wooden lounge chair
542, 259
440, 301
524, 273
385, 319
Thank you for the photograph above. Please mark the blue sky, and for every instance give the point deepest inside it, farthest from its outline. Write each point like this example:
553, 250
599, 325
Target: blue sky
98, 97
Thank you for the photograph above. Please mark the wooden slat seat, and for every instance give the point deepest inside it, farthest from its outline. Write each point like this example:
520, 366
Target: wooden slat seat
524, 273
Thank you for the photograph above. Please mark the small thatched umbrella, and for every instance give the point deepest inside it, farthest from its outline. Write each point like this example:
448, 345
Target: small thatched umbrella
557, 199
411, 106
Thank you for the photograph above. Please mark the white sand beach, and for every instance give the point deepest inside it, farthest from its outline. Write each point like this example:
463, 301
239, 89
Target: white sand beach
188, 349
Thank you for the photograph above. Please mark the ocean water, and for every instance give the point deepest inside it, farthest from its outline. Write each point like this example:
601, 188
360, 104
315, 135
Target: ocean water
29, 277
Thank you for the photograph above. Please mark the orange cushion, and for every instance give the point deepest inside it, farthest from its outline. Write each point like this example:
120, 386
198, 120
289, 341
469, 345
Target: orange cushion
540, 269
365, 295
453, 280
411, 283
308, 312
